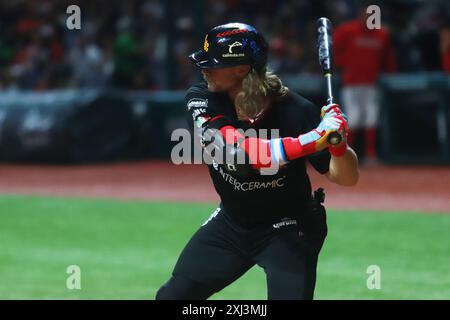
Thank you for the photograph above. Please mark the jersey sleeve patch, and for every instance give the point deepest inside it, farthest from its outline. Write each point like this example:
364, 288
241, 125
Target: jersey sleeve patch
197, 103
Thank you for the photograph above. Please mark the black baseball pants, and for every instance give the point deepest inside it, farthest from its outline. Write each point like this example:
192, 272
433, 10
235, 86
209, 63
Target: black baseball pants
221, 251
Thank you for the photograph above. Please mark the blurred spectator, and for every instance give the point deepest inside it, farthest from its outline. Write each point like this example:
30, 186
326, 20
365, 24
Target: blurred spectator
277, 47
426, 39
90, 65
124, 43
445, 46
361, 55
130, 52
288, 57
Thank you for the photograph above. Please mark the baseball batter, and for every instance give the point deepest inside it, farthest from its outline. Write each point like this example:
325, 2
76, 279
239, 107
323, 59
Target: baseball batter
271, 220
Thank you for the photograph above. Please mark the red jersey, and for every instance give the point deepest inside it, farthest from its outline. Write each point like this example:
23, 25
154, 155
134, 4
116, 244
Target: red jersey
362, 54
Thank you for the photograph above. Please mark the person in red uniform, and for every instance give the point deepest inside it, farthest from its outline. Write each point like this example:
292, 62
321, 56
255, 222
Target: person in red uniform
361, 55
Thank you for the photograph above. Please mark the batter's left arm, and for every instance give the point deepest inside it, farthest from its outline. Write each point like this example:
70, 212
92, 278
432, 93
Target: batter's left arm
344, 168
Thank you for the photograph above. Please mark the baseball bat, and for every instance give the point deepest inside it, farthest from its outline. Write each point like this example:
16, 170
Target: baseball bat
324, 45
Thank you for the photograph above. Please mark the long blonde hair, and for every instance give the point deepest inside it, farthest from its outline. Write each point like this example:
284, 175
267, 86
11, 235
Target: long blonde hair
257, 91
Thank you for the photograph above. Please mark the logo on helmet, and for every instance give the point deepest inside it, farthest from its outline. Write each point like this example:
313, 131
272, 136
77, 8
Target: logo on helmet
230, 51
206, 44
234, 44
231, 32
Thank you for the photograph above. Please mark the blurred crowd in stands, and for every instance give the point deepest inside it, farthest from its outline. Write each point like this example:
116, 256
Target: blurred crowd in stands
124, 44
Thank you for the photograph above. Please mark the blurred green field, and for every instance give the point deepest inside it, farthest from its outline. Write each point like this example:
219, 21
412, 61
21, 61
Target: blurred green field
126, 250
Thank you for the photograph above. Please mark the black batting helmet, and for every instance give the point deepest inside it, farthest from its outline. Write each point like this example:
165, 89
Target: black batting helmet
232, 44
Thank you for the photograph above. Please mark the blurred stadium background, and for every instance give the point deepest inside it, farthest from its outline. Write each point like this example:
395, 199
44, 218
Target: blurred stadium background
85, 123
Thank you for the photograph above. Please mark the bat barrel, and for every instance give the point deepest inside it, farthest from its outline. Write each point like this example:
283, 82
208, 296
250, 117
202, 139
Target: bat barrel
324, 43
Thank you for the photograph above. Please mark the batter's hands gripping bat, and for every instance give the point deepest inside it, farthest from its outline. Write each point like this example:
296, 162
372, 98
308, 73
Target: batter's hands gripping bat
324, 44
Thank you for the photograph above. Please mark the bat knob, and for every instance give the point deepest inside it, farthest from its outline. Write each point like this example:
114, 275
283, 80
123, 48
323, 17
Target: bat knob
334, 138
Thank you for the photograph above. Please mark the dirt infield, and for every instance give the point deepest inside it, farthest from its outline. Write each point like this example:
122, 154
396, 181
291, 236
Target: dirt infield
379, 188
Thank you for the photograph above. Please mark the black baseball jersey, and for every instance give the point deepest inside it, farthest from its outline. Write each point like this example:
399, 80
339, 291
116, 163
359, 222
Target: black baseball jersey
254, 198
